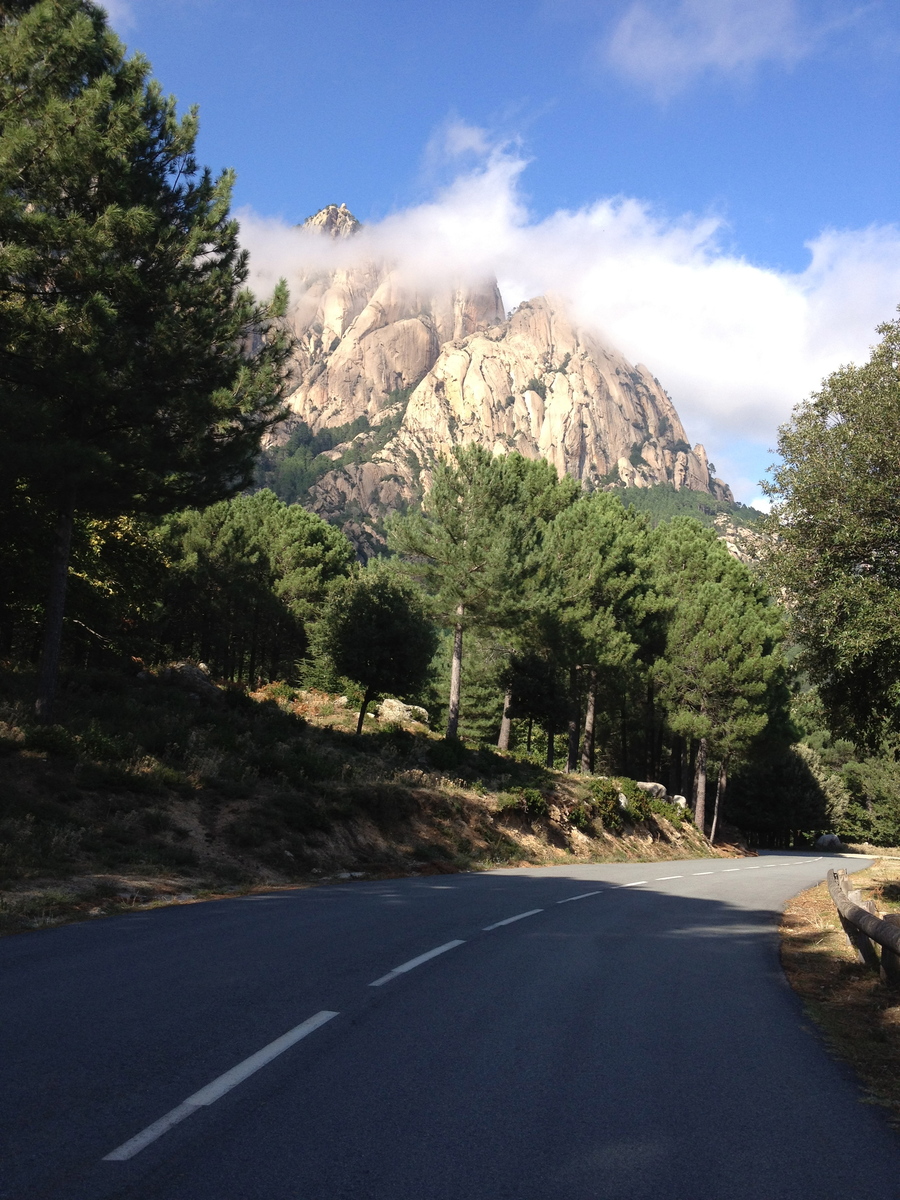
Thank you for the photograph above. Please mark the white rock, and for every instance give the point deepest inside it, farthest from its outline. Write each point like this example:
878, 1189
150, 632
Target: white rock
656, 790
395, 710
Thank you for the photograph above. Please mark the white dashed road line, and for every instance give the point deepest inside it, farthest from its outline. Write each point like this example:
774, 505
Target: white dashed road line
417, 962
660, 878
518, 917
583, 896
636, 883
215, 1090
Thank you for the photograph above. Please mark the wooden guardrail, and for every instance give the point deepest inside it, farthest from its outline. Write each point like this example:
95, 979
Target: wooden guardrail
865, 930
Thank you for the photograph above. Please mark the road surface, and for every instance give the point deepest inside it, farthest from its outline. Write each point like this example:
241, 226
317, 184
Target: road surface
609, 1032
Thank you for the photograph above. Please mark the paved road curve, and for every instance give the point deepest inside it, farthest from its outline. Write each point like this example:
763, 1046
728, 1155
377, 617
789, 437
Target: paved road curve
579, 1033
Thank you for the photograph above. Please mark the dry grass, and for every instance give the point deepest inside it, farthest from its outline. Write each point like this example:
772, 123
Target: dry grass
858, 1015
145, 794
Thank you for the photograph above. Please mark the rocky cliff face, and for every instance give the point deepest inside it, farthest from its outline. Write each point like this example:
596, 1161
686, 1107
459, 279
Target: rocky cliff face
451, 369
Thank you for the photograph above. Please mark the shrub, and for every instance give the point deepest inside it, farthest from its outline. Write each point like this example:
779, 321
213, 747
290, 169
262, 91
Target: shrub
671, 812
52, 739
447, 753
605, 803
527, 800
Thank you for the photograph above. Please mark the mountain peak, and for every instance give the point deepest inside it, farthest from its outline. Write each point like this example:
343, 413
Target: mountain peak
334, 219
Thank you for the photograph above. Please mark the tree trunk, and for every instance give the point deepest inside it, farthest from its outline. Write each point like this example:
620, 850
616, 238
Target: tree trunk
624, 740
505, 724
56, 607
650, 746
362, 712
551, 754
574, 722
700, 787
587, 744
720, 792
455, 678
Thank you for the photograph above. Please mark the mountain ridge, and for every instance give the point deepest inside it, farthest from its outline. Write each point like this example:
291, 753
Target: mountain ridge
446, 366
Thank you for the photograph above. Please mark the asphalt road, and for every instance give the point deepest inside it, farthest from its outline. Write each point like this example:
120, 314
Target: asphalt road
627, 1035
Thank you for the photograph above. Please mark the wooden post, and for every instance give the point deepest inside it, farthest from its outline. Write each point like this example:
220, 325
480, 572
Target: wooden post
864, 946
890, 962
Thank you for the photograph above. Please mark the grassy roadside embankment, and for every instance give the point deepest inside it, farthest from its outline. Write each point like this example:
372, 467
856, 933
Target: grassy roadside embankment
858, 1016
162, 787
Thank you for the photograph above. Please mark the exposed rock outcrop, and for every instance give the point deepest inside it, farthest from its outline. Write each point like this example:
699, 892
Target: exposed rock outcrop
451, 369
334, 219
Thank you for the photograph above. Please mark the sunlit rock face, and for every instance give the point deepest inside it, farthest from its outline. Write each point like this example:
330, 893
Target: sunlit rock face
451, 369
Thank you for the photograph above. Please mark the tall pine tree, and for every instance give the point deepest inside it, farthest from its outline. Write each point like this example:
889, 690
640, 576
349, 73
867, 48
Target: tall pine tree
136, 372
475, 542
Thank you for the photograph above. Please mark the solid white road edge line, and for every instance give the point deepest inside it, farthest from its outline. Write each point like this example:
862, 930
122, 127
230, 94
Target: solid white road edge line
215, 1090
509, 920
569, 899
416, 962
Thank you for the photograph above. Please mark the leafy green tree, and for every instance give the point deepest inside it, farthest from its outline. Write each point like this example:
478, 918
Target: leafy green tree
475, 540
245, 579
377, 631
835, 539
136, 372
787, 791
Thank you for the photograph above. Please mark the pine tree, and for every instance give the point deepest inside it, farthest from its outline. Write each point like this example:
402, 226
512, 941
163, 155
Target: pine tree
136, 373
595, 595
721, 658
475, 542
245, 579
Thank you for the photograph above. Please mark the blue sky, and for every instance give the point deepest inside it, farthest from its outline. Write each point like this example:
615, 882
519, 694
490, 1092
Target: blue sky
718, 150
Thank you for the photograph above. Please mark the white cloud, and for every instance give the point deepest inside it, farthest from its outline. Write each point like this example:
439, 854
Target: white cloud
736, 345
664, 44
120, 13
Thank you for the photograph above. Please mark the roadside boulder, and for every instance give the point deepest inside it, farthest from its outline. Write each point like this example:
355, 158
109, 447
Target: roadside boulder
193, 678
396, 710
656, 790
829, 841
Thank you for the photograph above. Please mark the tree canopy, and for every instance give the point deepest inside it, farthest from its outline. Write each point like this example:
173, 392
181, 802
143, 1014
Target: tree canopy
137, 374
244, 580
377, 632
836, 539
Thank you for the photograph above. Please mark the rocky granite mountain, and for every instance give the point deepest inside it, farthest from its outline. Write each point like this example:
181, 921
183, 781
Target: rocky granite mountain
387, 379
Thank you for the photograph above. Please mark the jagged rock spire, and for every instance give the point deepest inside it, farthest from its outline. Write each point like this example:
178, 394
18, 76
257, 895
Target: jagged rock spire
334, 219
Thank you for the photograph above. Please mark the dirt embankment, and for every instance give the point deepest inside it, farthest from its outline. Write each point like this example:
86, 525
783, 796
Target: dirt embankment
148, 792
